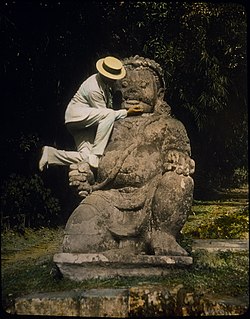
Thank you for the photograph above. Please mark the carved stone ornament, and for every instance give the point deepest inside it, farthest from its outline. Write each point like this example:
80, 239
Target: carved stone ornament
135, 206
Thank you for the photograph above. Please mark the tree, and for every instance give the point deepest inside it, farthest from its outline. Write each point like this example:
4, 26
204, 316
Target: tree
49, 47
202, 49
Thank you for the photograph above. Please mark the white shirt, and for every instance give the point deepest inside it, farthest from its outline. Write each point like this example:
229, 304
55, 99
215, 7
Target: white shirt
91, 94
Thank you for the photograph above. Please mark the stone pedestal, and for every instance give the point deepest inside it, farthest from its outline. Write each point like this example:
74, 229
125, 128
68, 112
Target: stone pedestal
80, 267
134, 302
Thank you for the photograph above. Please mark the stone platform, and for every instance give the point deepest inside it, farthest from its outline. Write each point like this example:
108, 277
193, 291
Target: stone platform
216, 245
136, 302
80, 267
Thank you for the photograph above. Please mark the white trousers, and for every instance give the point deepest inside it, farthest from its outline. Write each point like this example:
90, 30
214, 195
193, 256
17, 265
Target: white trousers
91, 136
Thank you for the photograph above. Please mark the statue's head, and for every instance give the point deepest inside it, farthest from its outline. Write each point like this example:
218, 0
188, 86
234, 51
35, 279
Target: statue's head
143, 85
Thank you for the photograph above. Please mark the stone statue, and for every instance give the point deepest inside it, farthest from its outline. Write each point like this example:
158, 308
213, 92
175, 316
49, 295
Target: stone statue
139, 199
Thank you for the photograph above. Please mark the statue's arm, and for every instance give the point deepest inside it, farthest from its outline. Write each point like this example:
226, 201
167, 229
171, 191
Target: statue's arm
173, 196
176, 150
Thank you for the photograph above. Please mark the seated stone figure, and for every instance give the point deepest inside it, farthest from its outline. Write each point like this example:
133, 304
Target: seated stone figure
142, 193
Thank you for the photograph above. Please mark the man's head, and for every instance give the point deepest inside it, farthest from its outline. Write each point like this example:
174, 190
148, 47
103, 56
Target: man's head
111, 69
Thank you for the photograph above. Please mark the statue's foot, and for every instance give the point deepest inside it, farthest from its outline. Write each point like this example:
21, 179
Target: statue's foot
163, 243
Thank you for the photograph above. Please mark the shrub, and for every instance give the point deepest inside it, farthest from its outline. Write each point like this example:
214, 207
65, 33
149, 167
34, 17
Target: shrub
240, 177
26, 202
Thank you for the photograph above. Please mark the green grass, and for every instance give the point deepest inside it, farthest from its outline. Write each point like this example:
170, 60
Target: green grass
27, 264
217, 220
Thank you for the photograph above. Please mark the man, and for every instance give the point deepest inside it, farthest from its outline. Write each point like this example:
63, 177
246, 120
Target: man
91, 106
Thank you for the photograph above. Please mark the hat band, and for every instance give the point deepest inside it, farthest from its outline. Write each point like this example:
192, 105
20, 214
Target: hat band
110, 70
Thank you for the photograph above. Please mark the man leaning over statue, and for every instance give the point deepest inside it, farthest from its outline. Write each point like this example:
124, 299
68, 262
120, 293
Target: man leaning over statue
91, 106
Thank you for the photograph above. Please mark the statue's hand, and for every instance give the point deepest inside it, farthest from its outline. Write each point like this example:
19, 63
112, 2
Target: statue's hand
81, 178
135, 110
84, 189
180, 163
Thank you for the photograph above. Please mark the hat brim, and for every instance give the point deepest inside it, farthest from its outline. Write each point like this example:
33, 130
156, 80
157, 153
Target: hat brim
101, 70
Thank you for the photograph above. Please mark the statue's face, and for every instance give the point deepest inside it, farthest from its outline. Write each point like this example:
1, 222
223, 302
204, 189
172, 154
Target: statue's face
138, 88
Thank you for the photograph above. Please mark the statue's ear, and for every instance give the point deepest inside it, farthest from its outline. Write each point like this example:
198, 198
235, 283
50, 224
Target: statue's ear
161, 94
161, 105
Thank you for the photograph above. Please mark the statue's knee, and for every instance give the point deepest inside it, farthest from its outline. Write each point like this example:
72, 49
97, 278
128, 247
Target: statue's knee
172, 201
174, 186
87, 228
83, 220
84, 231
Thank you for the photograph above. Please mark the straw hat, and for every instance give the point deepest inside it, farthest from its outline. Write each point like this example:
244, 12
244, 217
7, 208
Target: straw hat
111, 67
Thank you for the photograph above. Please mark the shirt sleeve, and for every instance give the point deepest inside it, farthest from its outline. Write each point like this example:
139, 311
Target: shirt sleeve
96, 100
121, 114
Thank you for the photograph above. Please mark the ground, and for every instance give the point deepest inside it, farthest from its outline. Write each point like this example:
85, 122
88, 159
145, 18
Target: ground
27, 259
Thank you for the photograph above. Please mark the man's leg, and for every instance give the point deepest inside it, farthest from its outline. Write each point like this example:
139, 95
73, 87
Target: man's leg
100, 122
104, 129
61, 157
52, 156
104, 118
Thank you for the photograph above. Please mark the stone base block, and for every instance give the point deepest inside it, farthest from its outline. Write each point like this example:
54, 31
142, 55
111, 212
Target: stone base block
216, 245
80, 267
149, 301
90, 303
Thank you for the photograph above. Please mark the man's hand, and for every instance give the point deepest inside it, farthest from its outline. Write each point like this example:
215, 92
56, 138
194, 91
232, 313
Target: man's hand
135, 110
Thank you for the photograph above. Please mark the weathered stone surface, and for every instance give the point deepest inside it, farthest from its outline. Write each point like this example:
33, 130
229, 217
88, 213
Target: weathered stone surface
151, 301
89, 303
141, 301
104, 303
214, 245
57, 304
191, 303
79, 267
143, 189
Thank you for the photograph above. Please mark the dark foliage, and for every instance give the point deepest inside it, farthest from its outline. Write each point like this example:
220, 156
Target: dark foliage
49, 47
